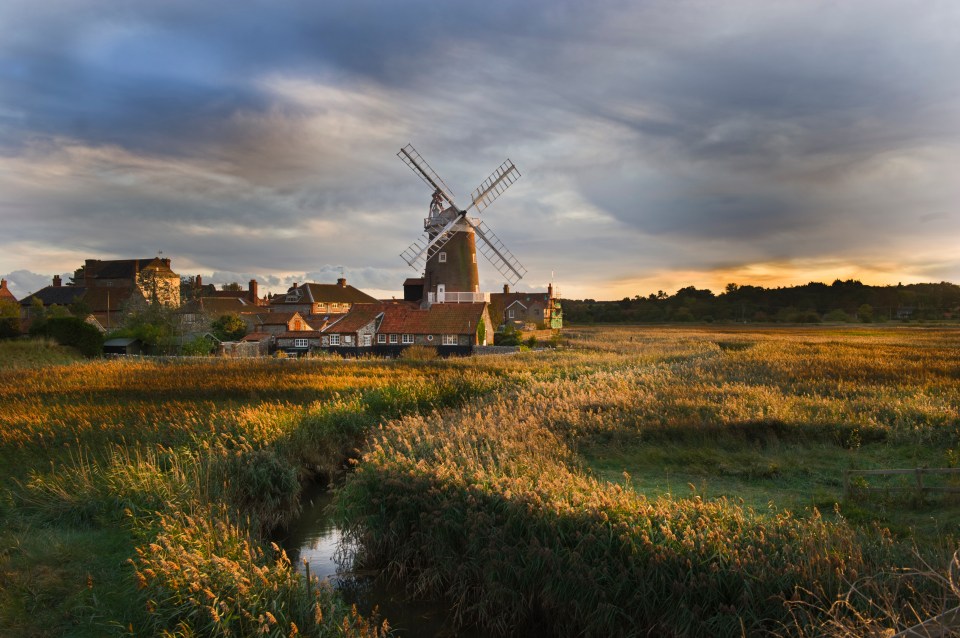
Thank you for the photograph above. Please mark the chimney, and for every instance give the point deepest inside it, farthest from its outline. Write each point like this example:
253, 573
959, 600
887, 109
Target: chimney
199, 281
294, 284
3, 284
252, 292
342, 282
56, 281
550, 291
166, 262
506, 289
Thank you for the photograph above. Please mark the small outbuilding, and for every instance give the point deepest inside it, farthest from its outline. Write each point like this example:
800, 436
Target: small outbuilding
122, 345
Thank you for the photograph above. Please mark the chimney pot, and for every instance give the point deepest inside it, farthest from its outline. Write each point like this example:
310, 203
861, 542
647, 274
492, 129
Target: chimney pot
56, 281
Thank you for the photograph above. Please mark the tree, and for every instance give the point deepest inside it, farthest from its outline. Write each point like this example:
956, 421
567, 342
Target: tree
229, 328
865, 313
232, 287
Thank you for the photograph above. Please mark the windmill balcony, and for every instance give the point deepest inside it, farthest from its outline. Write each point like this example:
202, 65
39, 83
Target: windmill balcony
456, 297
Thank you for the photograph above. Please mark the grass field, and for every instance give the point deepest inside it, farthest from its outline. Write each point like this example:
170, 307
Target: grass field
679, 480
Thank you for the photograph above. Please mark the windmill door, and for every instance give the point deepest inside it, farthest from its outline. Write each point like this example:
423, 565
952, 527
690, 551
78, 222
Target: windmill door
441, 290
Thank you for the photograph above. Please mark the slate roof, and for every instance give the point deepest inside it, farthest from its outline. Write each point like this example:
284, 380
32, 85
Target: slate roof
360, 315
327, 293
441, 318
120, 268
60, 295
500, 301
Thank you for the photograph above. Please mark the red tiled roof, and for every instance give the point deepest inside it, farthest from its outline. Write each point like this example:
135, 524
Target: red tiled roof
441, 318
5, 293
360, 315
256, 336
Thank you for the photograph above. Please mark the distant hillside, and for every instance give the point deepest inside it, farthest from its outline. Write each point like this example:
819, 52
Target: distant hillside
812, 303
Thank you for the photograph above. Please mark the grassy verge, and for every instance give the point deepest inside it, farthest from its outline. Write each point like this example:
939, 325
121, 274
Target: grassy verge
520, 513
137, 494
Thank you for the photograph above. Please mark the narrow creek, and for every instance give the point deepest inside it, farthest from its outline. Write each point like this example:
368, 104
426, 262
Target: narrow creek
315, 538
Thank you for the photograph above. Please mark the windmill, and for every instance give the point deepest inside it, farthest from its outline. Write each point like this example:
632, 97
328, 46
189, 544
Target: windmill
447, 251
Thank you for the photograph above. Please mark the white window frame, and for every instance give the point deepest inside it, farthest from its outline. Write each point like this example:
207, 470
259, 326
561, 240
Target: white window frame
442, 257
367, 340
347, 340
393, 338
301, 343
450, 340
510, 313
407, 338
381, 338
334, 340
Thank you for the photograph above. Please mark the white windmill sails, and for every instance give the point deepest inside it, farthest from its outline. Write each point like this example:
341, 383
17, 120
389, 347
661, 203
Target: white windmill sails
441, 225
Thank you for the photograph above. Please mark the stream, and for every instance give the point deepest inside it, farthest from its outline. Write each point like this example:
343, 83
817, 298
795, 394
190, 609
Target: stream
314, 538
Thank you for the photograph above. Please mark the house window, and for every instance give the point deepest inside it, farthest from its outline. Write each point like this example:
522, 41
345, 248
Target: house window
367, 339
510, 313
393, 338
347, 339
325, 340
334, 340
449, 340
381, 338
300, 343
442, 257
407, 339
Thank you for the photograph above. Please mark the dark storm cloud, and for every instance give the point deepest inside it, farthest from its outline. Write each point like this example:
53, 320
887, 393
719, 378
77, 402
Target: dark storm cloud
260, 138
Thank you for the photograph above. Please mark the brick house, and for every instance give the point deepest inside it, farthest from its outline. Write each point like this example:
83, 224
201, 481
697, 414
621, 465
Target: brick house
453, 328
355, 332
320, 299
276, 323
526, 310
5, 294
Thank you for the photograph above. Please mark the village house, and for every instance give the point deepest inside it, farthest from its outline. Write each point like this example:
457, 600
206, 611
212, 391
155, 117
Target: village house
354, 332
452, 328
320, 299
106, 288
526, 310
196, 289
276, 323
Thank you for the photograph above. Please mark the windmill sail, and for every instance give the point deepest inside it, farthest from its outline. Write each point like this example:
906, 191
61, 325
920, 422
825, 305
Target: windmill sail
498, 254
418, 165
492, 187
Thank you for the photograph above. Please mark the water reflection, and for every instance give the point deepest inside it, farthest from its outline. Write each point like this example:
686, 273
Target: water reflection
315, 539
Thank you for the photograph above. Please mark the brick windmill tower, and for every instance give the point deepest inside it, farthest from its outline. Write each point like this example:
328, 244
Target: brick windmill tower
447, 251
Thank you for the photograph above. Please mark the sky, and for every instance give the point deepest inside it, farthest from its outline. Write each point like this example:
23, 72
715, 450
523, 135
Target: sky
662, 143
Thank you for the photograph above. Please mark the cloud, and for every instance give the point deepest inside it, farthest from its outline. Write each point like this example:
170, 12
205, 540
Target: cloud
654, 138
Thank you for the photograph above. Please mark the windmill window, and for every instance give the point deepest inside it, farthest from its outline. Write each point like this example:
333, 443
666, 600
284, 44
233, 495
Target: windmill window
474, 257
442, 257
407, 339
300, 343
393, 338
334, 340
381, 338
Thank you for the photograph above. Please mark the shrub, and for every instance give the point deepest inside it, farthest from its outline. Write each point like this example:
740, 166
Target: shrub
70, 331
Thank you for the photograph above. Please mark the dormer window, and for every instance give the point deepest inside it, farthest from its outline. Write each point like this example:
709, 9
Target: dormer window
442, 257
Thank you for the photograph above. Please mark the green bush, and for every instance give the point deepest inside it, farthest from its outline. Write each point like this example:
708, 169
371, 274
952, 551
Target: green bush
9, 327
70, 331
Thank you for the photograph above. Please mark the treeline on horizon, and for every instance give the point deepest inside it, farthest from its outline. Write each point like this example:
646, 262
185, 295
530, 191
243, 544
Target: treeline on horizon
815, 302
